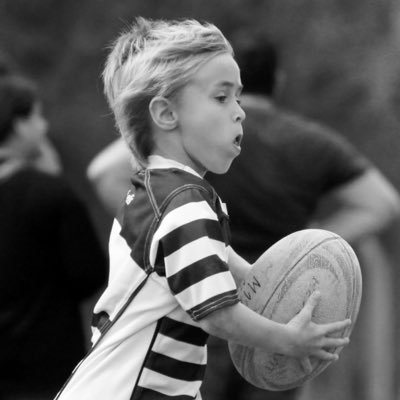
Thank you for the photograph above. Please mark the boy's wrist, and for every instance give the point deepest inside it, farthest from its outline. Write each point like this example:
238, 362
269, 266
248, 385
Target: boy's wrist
285, 340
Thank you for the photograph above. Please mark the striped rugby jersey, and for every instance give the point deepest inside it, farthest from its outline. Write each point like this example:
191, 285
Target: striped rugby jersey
168, 269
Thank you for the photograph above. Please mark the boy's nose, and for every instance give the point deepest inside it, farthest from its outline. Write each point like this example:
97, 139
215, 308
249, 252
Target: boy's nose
240, 115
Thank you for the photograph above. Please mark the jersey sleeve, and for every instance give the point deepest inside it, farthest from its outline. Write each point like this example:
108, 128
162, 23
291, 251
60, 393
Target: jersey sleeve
193, 250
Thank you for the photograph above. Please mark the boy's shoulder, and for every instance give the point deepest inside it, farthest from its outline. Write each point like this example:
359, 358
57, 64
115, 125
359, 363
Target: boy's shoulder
165, 183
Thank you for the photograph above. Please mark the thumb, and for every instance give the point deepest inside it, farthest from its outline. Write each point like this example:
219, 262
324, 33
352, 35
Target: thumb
312, 301
306, 365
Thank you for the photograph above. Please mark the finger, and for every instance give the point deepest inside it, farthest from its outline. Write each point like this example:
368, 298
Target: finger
312, 302
306, 365
330, 342
326, 355
336, 326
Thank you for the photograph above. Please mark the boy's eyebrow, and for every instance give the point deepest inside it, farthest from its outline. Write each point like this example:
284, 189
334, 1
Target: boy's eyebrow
230, 85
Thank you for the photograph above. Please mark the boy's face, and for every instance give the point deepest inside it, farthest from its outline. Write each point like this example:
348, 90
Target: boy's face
210, 117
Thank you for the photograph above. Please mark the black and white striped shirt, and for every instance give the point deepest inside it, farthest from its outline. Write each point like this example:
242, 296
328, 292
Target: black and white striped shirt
171, 243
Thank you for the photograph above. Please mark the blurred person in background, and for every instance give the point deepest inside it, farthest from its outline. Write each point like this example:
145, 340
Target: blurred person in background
45, 157
50, 256
290, 165
288, 168
110, 174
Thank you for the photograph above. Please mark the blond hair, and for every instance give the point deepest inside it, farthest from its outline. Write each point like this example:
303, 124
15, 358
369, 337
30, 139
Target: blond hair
154, 58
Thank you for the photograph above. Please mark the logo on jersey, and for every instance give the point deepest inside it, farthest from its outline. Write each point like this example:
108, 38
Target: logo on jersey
129, 198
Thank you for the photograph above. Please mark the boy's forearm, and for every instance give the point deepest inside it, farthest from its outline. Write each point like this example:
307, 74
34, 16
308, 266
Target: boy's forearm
239, 324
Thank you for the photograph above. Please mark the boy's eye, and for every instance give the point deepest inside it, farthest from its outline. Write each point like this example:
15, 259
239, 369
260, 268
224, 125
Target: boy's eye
238, 101
221, 98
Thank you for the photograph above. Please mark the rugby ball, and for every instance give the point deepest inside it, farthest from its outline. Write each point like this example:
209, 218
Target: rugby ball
277, 287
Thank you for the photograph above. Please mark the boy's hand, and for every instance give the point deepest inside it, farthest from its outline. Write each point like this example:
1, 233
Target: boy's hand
309, 339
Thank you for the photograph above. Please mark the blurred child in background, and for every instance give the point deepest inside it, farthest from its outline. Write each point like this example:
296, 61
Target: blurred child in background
50, 257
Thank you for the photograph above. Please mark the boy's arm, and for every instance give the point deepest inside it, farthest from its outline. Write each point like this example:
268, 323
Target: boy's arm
238, 266
196, 267
300, 338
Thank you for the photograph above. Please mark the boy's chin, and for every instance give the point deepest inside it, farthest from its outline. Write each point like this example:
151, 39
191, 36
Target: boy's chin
221, 170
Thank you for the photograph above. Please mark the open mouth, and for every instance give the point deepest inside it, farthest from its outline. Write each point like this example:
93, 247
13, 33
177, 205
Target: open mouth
238, 140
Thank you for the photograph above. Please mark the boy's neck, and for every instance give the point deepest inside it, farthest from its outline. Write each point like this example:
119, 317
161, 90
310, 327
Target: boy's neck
158, 161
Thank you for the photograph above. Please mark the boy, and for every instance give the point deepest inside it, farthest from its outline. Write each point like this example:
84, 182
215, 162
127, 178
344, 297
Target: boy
174, 89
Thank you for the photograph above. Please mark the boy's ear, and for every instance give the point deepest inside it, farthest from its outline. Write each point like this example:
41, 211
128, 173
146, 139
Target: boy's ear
162, 113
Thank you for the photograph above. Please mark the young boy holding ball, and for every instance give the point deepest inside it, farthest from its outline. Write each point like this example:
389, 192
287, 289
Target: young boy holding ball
174, 88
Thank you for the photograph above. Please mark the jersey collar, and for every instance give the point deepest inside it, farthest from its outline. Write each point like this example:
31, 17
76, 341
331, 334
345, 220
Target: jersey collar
159, 162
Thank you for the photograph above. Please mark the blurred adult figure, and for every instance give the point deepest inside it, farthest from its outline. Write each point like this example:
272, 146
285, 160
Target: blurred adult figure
288, 168
50, 256
289, 165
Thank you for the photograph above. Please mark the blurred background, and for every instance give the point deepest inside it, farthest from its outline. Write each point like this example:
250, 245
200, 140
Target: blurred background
342, 60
